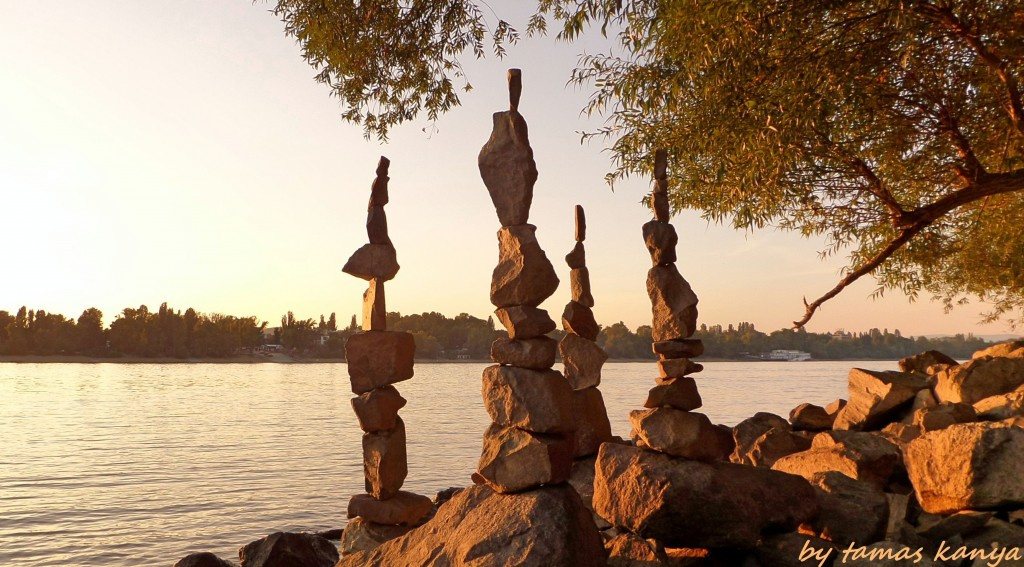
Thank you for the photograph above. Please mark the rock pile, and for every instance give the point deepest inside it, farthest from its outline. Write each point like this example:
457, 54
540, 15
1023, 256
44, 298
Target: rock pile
378, 358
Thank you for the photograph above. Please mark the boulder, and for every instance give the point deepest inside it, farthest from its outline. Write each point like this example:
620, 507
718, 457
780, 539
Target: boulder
374, 307
862, 456
377, 410
583, 360
809, 417
535, 400
513, 460
507, 168
1008, 349
373, 261
377, 225
592, 425
1002, 406
203, 559
379, 358
876, 396
523, 276
677, 367
678, 348
577, 258
685, 503
363, 535
673, 304
835, 406
771, 446
384, 461
924, 362
628, 550
851, 511
537, 353
578, 319
968, 466
678, 393
747, 432
582, 480
943, 415
579, 286
901, 433
403, 509
546, 527
661, 240
979, 378
285, 549
525, 321
679, 433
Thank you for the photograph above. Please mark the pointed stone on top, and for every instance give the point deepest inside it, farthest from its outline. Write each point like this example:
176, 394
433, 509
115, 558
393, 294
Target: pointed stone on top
382, 166
515, 88
660, 163
506, 162
581, 224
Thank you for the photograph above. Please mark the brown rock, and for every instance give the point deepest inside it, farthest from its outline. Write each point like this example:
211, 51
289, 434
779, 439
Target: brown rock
660, 163
581, 224
377, 410
282, 549
525, 321
835, 407
373, 261
547, 527
1008, 349
861, 456
680, 433
660, 206
809, 417
583, 360
1003, 406
921, 363
592, 425
515, 88
673, 304
375, 312
402, 509
538, 353
379, 192
579, 285
902, 433
382, 166
535, 400
677, 367
628, 550
748, 431
384, 461
851, 511
507, 168
379, 358
678, 393
513, 460
363, 535
661, 240
943, 415
968, 466
523, 276
876, 396
582, 480
678, 348
684, 503
203, 559
792, 550
578, 319
980, 378
577, 258
377, 226
772, 446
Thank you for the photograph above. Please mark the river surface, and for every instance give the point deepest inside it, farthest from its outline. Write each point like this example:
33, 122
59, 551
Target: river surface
141, 464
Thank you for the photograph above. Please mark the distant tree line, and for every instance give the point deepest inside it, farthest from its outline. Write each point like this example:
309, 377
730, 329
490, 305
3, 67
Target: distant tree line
172, 333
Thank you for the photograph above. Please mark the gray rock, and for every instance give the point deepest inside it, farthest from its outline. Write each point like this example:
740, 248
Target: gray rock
924, 362
507, 168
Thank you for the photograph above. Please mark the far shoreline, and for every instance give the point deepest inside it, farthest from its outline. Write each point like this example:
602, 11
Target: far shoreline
286, 359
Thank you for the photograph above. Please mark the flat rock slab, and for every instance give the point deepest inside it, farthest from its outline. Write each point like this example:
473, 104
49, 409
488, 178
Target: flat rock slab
514, 460
546, 527
535, 400
973, 466
679, 433
592, 425
673, 304
583, 361
523, 276
507, 168
379, 358
678, 348
286, 549
870, 457
525, 321
377, 410
404, 509
373, 261
980, 378
385, 464
875, 396
537, 353
685, 503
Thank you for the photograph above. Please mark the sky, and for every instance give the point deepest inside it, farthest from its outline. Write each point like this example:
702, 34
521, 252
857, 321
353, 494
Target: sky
182, 152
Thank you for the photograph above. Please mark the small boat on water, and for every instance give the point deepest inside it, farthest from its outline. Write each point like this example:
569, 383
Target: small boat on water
782, 355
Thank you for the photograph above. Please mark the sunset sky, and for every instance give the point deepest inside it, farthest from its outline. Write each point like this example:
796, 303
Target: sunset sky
182, 152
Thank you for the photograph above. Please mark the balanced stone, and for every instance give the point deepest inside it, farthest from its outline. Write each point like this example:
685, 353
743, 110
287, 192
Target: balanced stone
662, 211
679, 433
379, 192
679, 393
507, 168
525, 321
514, 460
592, 425
535, 400
377, 226
578, 257
678, 367
374, 307
661, 240
660, 163
680, 348
377, 410
373, 261
579, 319
379, 358
523, 276
384, 461
382, 167
583, 360
579, 285
581, 224
402, 509
673, 304
538, 353
515, 88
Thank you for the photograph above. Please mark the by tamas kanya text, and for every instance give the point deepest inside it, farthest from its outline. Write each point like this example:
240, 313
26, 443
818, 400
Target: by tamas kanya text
993, 556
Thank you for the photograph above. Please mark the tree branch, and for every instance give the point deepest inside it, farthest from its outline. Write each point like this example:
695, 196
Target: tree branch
874, 184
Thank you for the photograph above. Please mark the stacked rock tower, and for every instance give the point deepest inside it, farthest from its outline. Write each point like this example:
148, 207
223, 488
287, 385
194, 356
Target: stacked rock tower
378, 358
530, 442
581, 356
670, 425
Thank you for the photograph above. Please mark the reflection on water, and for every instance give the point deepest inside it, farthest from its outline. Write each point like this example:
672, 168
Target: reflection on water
141, 464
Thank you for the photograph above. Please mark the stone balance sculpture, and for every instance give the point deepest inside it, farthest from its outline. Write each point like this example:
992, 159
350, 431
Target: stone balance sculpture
378, 358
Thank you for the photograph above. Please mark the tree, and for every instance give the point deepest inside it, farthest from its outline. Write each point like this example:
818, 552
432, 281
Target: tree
893, 129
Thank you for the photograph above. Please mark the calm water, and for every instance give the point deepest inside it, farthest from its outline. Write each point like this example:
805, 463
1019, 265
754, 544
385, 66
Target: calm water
141, 464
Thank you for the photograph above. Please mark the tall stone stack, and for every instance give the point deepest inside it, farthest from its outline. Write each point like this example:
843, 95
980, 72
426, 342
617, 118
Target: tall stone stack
670, 425
582, 358
378, 358
530, 442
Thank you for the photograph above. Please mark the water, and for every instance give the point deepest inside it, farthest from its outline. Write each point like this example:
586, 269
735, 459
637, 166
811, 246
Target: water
141, 464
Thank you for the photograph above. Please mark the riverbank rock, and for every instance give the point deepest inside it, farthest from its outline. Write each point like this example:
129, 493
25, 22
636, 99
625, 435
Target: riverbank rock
379, 358
545, 527
809, 417
859, 455
943, 415
373, 261
537, 353
535, 400
980, 378
748, 431
928, 362
513, 460
1003, 406
628, 550
507, 168
681, 433
684, 503
403, 509
363, 535
524, 275
286, 549
673, 304
875, 396
773, 445
583, 361
851, 511
377, 410
968, 466
203, 559
525, 321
